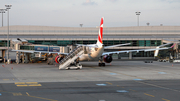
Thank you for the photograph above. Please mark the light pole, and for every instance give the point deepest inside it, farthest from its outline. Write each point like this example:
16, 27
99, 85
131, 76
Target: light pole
2, 11
138, 13
8, 7
81, 25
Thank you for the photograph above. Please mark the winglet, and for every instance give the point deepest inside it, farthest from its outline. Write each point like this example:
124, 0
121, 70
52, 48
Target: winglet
100, 35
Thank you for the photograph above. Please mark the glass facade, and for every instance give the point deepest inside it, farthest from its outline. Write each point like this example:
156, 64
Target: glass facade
135, 43
140, 43
143, 43
3, 43
26, 47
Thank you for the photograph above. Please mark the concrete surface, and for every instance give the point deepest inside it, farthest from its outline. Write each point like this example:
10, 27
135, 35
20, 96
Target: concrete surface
118, 81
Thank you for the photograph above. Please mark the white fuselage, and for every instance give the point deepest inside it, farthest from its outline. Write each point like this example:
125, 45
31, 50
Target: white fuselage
91, 53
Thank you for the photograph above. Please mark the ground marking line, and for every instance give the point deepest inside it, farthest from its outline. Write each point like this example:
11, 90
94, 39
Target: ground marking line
31, 82
25, 84
165, 99
19, 94
109, 83
35, 85
19, 83
41, 98
158, 86
27, 93
149, 95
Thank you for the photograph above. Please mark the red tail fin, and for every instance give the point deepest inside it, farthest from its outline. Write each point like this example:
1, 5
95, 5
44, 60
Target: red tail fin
100, 36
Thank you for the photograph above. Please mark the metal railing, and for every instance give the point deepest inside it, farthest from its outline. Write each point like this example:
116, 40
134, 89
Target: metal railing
71, 54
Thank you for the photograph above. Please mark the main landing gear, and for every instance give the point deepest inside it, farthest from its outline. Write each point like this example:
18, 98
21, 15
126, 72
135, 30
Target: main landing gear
101, 62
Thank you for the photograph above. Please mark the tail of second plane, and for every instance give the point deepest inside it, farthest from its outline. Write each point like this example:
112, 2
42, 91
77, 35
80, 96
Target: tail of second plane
100, 35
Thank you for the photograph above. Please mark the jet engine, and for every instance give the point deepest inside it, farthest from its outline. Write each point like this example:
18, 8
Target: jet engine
107, 58
58, 59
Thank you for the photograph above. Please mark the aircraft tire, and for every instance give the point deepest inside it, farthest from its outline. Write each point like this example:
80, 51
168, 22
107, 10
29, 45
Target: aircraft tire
103, 64
100, 64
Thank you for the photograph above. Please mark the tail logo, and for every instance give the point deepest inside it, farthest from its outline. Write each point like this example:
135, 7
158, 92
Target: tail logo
100, 36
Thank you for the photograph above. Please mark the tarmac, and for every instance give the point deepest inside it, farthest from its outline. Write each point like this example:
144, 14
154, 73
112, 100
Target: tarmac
118, 81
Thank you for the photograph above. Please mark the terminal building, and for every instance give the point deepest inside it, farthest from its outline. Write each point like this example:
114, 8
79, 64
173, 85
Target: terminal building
140, 37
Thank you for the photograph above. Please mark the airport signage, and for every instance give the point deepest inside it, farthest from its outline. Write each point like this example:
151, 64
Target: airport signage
54, 49
40, 48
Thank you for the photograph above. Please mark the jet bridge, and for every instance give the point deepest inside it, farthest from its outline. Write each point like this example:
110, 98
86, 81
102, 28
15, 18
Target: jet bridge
174, 56
28, 52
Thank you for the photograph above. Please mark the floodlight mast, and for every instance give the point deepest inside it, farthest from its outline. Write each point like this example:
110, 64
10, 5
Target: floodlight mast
2, 11
81, 25
8, 7
138, 13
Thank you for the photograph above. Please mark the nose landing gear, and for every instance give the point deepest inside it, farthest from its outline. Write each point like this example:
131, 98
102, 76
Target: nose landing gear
101, 62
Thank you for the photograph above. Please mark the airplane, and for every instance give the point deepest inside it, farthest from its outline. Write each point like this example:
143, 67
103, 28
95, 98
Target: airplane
96, 51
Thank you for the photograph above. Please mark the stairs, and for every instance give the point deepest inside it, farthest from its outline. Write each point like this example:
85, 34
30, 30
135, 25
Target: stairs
73, 55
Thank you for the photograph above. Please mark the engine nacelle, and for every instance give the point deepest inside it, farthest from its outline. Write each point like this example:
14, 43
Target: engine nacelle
58, 59
107, 58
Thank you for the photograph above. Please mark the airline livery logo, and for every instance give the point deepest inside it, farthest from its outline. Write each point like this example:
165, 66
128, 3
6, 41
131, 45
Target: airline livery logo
100, 37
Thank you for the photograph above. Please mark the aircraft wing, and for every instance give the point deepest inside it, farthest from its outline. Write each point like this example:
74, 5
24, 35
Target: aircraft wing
96, 46
146, 50
27, 51
91, 45
117, 45
127, 51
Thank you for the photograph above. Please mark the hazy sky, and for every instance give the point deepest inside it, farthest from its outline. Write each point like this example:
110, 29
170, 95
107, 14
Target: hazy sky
70, 13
